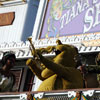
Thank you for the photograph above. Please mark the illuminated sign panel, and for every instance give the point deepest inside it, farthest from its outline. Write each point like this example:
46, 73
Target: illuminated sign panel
71, 17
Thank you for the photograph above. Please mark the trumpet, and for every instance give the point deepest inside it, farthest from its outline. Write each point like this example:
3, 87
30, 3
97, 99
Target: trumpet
30, 62
32, 48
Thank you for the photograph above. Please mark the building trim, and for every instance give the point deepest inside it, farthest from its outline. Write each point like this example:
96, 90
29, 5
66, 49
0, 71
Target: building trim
39, 19
22, 50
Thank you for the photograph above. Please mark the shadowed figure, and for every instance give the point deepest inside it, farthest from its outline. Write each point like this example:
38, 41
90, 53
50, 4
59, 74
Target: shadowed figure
7, 78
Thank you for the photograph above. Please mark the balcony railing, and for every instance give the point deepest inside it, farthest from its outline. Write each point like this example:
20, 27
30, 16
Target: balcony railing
90, 94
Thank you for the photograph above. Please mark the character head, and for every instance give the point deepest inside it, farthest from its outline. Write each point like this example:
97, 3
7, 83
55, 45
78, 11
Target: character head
65, 54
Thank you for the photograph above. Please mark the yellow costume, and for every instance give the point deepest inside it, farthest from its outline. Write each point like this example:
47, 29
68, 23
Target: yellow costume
60, 72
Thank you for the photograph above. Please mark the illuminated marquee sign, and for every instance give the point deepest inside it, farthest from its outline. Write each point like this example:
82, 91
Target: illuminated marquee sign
71, 17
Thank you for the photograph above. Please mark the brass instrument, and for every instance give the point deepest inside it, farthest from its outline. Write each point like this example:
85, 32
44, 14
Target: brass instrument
32, 48
30, 62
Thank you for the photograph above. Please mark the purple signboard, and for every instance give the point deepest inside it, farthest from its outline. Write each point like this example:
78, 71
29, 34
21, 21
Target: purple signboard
71, 17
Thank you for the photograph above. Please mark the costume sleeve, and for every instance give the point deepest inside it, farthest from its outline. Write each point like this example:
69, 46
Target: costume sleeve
65, 72
33, 67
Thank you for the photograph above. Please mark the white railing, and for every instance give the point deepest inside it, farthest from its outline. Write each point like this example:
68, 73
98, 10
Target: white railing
91, 94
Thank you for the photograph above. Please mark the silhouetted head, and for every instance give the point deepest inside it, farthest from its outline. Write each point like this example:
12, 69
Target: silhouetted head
78, 94
8, 55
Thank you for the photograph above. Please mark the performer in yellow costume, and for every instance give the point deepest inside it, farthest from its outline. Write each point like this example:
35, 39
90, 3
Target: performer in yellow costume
58, 73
